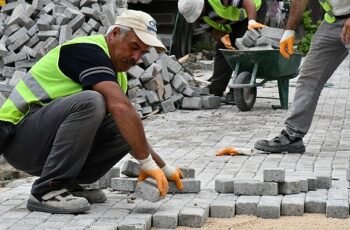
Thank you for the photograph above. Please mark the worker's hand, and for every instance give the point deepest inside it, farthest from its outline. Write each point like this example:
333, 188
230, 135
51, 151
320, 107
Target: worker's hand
227, 151
227, 42
174, 174
345, 34
149, 168
253, 25
286, 43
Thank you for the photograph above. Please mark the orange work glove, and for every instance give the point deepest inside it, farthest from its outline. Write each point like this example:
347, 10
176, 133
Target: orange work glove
286, 43
253, 25
227, 42
149, 168
227, 151
174, 174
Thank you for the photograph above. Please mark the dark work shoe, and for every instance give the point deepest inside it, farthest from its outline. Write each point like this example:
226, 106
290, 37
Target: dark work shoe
58, 202
92, 195
281, 143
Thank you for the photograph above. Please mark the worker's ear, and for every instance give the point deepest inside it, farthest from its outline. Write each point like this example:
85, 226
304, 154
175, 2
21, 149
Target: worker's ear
113, 34
115, 31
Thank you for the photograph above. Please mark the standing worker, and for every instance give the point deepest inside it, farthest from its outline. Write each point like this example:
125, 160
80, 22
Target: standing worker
225, 20
329, 47
72, 121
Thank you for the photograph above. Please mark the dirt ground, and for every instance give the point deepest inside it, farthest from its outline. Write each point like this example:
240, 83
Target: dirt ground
9, 174
306, 222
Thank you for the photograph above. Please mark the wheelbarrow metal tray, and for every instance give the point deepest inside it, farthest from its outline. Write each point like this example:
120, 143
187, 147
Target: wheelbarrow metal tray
271, 64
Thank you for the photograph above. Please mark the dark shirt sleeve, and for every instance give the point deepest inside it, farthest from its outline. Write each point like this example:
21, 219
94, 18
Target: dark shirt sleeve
236, 3
86, 64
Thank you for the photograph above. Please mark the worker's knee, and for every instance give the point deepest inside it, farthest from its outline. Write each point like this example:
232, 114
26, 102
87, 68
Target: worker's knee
94, 103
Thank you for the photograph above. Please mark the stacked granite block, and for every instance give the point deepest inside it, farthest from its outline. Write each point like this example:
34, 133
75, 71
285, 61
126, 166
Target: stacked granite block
159, 83
274, 182
280, 193
267, 38
29, 31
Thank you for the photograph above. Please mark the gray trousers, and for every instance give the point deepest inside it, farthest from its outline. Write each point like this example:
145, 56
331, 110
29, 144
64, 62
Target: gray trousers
326, 53
70, 140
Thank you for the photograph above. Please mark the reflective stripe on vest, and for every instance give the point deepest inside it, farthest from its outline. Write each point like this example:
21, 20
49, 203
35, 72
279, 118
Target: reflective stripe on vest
230, 13
29, 82
329, 15
45, 82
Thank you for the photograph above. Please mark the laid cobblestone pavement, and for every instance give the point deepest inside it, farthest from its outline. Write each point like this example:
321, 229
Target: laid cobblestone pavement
191, 139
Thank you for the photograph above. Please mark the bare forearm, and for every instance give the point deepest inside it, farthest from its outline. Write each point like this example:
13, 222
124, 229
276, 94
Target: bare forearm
131, 128
250, 8
125, 117
156, 157
297, 8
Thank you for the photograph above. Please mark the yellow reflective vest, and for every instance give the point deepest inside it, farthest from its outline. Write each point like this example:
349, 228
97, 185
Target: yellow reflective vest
230, 13
46, 82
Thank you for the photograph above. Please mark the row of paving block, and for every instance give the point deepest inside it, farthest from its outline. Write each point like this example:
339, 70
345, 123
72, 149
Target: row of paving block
261, 39
166, 213
147, 190
126, 211
274, 183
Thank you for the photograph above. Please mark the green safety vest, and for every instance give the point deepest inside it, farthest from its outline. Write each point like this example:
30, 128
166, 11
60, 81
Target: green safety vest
46, 82
231, 13
329, 15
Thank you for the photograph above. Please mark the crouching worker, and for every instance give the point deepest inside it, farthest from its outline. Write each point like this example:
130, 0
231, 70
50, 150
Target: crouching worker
73, 121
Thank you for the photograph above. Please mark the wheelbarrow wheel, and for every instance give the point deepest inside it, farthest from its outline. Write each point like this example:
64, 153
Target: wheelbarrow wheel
244, 97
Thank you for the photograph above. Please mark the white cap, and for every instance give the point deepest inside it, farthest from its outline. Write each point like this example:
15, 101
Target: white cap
190, 9
144, 26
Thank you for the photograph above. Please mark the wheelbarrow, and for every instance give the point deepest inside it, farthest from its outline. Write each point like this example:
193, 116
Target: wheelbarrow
267, 65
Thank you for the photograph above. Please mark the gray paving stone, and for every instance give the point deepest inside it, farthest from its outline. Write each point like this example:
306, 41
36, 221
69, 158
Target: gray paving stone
165, 219
124, 184
293, 205
192, 217
315, 201
247, 205
131, 168
274, 175
190, 185
324, 181
289, 187
224, 184
269, 207
223, 206
136, 221
147, 191
337, 209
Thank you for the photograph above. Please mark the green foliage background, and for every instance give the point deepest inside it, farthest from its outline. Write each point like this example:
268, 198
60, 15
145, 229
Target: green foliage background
310, 29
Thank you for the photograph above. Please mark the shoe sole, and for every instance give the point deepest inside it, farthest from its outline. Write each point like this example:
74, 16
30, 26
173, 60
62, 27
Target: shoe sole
290, 149
35, 206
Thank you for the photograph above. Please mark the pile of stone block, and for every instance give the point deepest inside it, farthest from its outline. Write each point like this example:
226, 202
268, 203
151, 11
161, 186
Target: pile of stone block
277, 195
274, 183
267, 38
147, 190
159, 82
29, 31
